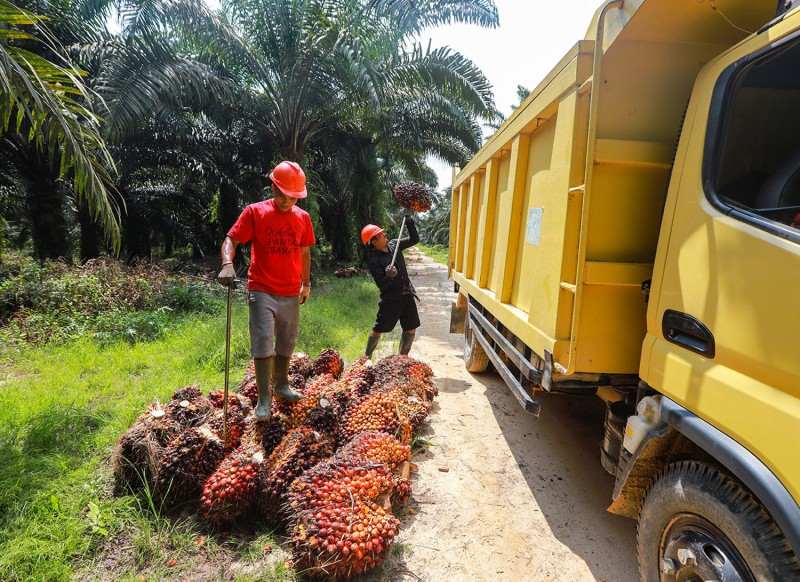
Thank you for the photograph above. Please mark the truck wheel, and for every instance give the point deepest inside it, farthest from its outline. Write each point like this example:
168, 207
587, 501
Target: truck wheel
698, 523
475, 358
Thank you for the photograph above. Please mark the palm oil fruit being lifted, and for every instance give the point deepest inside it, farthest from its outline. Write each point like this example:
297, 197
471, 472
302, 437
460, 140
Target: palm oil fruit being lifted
413, 196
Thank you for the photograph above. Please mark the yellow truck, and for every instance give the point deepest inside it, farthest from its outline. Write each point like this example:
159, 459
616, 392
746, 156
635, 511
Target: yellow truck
632, 231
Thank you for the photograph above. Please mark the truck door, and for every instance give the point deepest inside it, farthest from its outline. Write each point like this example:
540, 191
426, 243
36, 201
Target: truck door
723, 320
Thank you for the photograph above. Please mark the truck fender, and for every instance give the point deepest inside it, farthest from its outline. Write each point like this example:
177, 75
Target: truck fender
663, 445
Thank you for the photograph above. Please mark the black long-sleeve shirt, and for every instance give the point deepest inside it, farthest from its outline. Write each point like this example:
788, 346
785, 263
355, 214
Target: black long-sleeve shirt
378, 261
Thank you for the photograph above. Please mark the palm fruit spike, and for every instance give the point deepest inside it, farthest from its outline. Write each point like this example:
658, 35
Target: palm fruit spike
359, 377
190, 393
374, 412
378, 447
299, 450
413, 196
266, 434
230, 491
186, 462
400, 367
300, 363
343, 539
136, 455
327, 362
309, 400
239, 411
189, 412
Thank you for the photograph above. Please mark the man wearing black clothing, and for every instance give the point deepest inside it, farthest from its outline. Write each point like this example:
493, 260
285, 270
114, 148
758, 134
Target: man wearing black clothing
398, 298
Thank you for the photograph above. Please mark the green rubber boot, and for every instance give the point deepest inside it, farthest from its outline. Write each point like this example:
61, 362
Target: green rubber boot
405, 342
282, 388
372, 343
264, 369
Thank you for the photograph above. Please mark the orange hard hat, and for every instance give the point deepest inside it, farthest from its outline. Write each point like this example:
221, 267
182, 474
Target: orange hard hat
290, 179
369, 231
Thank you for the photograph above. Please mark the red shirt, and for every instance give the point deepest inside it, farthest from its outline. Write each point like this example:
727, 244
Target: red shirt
275, 260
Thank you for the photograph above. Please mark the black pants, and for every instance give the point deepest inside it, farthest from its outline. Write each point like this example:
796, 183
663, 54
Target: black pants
390, 310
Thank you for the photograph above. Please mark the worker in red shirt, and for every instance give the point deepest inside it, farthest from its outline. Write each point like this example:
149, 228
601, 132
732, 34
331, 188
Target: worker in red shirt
278, 279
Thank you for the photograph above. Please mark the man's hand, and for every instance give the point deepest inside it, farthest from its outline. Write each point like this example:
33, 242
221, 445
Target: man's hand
227, 276
391, 271
305, 291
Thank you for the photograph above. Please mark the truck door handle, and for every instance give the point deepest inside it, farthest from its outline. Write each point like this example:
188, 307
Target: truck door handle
689, 332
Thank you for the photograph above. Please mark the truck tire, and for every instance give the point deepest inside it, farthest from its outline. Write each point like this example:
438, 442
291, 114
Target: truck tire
475, 358
699, 523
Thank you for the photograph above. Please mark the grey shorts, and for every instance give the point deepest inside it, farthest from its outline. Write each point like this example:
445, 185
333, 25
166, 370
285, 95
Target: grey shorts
274, 321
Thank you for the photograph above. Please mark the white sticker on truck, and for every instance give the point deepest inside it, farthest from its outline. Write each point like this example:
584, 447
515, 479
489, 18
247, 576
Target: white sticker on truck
534, 228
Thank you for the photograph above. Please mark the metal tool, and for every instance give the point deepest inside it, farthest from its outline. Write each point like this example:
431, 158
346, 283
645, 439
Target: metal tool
397, 246
231, 287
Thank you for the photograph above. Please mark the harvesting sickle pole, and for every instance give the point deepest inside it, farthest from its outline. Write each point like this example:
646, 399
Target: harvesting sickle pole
231, 287
397, 246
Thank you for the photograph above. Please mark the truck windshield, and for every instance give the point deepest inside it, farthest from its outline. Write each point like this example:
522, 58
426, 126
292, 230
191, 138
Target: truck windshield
757, 166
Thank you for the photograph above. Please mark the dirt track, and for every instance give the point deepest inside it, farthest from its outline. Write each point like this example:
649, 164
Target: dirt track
502, 495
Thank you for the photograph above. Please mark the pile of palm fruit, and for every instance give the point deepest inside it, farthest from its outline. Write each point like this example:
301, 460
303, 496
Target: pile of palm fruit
413, 196
329, 467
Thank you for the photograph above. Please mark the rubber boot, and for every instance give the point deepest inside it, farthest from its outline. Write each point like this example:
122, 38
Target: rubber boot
264, 369
405, 342
282, 388
372, 343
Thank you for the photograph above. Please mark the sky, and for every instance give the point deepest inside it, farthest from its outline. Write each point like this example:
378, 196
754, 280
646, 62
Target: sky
532, 37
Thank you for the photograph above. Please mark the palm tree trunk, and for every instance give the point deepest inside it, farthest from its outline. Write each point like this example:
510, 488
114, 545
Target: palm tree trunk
47, 206
90, 234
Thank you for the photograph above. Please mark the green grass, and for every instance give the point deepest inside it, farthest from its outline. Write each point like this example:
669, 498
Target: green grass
63, 407
438, 253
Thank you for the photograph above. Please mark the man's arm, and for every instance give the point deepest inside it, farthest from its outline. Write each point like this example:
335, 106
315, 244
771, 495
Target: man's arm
228, 273
305, 273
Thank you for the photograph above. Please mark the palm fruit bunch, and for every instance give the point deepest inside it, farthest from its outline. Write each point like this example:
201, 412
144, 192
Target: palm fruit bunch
413, 196
341, 479
400, 367
249, 389
327, 362
401, 492
358, 377
190, 393
186, 463
136, 455
377, 411
309, 400
189, 412
300, 363
299, 450
239, 411
342, 539
266, 434
323, 418
378, 447
410, 397
231, 490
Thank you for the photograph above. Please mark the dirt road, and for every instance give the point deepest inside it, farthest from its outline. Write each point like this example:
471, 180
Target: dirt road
502, 495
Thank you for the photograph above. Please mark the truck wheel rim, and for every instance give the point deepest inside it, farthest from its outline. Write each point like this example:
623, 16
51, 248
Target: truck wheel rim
693, 549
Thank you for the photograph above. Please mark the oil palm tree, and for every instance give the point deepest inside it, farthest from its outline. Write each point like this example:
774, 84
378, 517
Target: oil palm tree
45, 112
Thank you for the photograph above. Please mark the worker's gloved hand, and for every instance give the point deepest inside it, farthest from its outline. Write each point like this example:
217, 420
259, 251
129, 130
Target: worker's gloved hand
391, 271
227, 276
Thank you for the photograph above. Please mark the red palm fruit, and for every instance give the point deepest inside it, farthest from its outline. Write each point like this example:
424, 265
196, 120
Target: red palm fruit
299, 450
231, 490
190, 413
186, 462
413, 196
300, 363
327, 362
265, 434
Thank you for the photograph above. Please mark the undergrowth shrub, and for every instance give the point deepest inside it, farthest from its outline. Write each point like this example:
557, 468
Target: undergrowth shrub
103, 298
